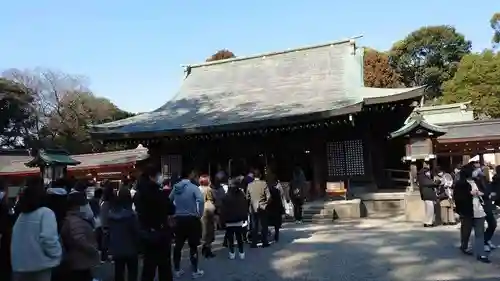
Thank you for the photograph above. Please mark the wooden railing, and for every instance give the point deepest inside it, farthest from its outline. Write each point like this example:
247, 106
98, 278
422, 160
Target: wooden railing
398, 179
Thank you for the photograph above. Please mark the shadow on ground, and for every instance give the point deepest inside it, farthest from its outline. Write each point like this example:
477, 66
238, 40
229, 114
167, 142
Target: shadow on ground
357, 250
370, 249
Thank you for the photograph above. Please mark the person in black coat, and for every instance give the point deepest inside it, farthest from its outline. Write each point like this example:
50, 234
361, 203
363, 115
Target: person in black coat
427, 188
6, 224
275, 208
469, 206
154, 209
495, 186
234, 213
57, 198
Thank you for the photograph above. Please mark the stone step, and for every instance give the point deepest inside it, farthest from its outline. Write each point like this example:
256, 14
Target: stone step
319, 212
318, 221
384, 215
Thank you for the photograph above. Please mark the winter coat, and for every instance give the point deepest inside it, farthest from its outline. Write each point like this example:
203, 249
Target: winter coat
104, 213
258, 195
124, 233
153, 209
275, 208
79, 242
234, 207
297, 191
57, 199
463, 199
208, 218
6, 223
426, 185
35, 242
486, 188
95, 205
495, 185
188, 199
218, 194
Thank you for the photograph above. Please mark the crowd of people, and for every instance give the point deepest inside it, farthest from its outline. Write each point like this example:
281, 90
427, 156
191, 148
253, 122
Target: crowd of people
468, 196
59, 232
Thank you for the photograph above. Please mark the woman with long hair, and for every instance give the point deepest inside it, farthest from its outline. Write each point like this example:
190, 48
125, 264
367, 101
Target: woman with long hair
275, 208
35, 241
234, 213
108, 197
208, 218
124, 236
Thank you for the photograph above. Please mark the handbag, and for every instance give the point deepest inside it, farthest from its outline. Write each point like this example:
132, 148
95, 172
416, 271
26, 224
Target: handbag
289, 209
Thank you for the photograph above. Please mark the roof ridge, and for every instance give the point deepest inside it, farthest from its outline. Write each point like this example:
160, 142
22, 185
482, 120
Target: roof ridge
351, 40
125, 151
472, 122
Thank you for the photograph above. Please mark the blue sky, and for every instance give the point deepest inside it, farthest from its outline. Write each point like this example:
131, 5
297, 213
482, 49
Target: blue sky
132, 50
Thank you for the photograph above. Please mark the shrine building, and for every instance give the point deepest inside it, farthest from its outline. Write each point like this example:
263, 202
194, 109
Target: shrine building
305, 107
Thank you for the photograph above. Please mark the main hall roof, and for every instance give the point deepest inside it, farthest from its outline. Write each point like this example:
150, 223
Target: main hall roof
317, 81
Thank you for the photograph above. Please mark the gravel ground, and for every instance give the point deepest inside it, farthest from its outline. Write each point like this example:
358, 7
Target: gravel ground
370, 249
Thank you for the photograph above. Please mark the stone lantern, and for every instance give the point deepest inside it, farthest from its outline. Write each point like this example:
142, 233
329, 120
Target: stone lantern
52, 163
420, 137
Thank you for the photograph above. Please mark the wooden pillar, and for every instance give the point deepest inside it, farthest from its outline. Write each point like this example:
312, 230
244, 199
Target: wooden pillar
413, 177
318, 162
465, 159
317, 179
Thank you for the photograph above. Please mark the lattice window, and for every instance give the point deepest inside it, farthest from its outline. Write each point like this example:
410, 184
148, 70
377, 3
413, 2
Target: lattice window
345, 158
336, 159
171, 164
355, 164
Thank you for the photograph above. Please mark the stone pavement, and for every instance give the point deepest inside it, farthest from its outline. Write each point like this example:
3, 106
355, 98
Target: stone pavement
367, 250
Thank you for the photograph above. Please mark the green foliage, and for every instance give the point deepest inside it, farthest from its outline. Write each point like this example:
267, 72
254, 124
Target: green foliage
17, 114
478, 80
429, 56
495, 25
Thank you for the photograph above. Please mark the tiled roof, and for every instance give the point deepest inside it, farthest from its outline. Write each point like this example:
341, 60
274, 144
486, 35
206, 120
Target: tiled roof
88, 161
477, 129
52, 157
324, 79
418, 121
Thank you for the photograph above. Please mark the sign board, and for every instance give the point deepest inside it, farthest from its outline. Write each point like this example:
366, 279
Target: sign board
335, 186
419, 147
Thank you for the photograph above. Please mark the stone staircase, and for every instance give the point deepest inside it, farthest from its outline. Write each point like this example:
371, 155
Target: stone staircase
321, 212
318, 213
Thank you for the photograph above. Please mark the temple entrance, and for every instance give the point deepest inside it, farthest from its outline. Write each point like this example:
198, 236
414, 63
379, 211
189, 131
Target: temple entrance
280, 153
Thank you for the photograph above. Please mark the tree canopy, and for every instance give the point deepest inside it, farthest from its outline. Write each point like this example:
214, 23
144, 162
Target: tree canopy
495, 25
51, 108
17, 114
429, 56
221, 55
378, 72
477, 80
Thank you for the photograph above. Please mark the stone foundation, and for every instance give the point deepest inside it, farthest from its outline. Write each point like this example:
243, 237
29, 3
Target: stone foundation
380, 204
328, 211
414, 207
387, 203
